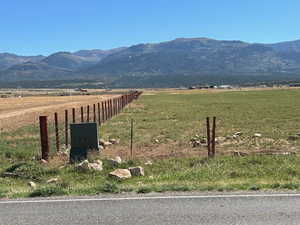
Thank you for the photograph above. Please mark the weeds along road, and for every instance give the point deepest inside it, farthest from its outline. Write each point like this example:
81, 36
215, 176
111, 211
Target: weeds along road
228, 209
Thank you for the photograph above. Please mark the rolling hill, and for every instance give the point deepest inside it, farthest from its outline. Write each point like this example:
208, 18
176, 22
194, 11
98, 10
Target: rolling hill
182, 61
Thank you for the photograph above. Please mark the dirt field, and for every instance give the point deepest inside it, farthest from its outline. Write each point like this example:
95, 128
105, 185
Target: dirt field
18, 112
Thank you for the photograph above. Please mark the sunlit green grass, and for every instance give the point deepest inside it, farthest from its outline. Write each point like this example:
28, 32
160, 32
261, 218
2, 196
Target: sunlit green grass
173, 119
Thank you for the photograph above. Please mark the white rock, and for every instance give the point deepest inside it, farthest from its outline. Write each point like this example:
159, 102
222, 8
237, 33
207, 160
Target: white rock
120, 174
32, 184
98, 165
257, 135
114, 141
156, 141
107, 143
85, 165
43, 161
52, 180
220, 140
137, 171
115, 162
118, 159
148, 163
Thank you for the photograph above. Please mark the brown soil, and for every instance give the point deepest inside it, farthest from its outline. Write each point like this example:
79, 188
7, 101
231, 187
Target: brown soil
19, 112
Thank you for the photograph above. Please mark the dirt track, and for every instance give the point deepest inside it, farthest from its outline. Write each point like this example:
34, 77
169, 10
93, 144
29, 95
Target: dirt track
18, 112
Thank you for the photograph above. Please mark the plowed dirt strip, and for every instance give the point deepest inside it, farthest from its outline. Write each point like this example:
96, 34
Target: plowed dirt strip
18, 112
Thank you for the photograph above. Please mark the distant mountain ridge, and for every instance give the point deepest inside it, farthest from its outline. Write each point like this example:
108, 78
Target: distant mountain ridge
182, 59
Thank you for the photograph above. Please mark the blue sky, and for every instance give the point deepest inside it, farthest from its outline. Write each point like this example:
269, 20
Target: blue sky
31, 27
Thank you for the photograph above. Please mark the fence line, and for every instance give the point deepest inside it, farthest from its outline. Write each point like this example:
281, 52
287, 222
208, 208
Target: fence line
107, 109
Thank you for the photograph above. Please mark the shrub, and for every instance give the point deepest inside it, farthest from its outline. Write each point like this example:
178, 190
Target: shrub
47, 191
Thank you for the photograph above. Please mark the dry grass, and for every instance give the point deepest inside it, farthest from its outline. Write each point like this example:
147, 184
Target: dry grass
19, 112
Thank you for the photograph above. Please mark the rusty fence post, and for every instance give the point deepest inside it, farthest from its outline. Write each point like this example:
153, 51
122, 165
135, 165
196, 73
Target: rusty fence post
105, 109
81, 112
99, 114
208, 137
214, 137
111, 108
88, 113
73, 115
102, 110
114, 106
56, 131
94, 112
44, 137
66, 129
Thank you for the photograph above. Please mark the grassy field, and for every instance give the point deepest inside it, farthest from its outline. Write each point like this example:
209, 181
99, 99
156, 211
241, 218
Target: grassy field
164, 123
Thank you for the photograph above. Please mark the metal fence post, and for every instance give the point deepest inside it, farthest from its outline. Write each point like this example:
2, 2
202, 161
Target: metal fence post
214, 137
208, 137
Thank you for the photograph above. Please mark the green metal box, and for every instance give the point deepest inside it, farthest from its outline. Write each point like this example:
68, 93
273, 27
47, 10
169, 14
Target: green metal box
84, 137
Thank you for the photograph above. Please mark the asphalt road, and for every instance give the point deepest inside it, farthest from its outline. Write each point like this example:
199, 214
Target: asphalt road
230, 209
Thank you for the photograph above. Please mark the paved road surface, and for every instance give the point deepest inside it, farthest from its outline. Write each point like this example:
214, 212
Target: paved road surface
172, 210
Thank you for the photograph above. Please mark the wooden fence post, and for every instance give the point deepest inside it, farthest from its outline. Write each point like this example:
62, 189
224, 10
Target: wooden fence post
99, 115
73, 115
88, 114
94, 111
66, 129
56, 131
81, 111
44, 137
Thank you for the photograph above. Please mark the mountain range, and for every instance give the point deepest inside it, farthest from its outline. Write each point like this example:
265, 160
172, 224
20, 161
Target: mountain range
183, 61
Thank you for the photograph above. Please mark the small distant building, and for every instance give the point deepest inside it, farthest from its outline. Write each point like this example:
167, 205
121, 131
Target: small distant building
295, 85
225, 87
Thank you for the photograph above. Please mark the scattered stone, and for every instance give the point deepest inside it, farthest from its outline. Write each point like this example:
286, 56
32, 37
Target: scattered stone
101, 142
120, 174
85, 165
98, 165
196, 144
257, 135
137, 171
52, 180
283, 142
220, 140
238, 133
235, 137
118, 159
203, 140
229, 138
115, 162
43, 161
237, 153
148, 163
9, 174
114, 141
107, 143
298, 134
293, 137
156, 141
193, 139
32, 184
